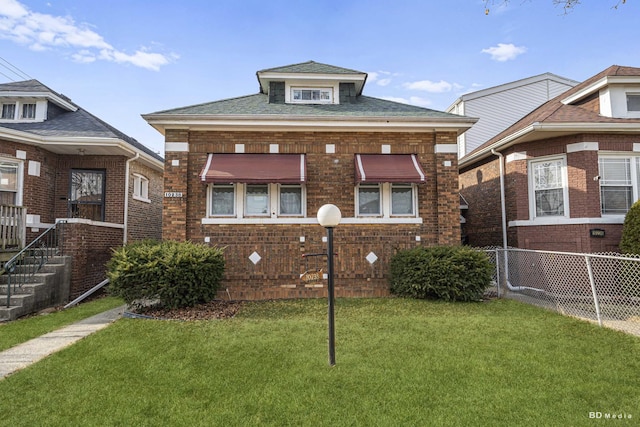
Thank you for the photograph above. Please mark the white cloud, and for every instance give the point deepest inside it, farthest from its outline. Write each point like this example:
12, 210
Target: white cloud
381, 78
44, 32
412, 100
429, 86
505, 52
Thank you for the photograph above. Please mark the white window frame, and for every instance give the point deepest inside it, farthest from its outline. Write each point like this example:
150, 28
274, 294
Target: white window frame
386, 206
19, 178
532, 189
7, 104
634, 95
30, 108
141, 188
268, 206
634, 169
273, 201
328, 90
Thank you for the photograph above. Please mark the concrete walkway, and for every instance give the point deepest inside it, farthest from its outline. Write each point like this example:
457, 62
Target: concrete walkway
29, 352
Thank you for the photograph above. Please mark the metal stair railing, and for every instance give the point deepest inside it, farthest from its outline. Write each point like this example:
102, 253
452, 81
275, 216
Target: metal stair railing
32, 258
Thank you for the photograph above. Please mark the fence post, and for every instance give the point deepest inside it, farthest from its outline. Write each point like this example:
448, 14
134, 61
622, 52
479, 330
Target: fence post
497, 272
593, 289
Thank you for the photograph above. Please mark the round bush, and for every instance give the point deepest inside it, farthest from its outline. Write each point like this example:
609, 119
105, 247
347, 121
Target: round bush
630, 241
450, 273
179, 274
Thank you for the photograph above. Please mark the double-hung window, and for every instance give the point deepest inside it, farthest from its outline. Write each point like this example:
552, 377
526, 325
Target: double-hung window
140, 187
28, 111
386, 200
619, 182
8, 111
548, 183
256, 200
10, 182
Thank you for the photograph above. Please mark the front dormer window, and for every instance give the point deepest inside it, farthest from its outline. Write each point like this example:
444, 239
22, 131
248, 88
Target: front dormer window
9, 111
633, 102
28, 111
305, 95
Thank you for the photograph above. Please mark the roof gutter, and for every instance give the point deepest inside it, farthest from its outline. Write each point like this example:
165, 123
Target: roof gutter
563, 128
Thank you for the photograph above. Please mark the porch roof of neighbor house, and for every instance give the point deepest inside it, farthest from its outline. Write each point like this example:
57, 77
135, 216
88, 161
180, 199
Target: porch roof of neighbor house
556, 118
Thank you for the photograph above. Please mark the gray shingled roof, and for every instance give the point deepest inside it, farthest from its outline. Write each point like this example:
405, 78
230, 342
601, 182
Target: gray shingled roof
258, 105
311, 67
72, 124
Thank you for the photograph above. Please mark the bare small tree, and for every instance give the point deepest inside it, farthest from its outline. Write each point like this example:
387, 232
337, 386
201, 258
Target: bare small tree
567, 5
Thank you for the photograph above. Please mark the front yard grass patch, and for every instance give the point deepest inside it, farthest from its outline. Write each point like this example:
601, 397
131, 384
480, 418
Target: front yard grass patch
399, 362
22, 330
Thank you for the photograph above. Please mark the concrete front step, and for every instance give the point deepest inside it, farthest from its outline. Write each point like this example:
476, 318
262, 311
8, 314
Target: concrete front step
48, 287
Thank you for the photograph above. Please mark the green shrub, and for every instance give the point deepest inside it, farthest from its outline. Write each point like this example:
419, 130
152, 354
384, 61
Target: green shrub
630, 241
178, 274
450, 273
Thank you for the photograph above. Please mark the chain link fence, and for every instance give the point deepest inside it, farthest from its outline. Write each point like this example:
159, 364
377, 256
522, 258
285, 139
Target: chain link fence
603, 288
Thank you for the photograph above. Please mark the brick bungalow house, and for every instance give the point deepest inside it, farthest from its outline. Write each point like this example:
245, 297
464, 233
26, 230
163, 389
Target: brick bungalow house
571, 170
250, 174
60, 164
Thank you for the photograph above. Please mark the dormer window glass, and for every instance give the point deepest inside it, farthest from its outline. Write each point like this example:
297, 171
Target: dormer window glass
633, 102
28, 111
312, 95
9, 111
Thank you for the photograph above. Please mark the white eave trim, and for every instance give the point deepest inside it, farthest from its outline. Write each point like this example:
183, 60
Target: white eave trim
296, 123
596, 86
561, 128
80, 142
39, 95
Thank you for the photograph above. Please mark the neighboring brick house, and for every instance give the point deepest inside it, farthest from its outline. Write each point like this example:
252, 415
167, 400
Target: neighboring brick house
571, 170
60, 163
501, 106
250, 173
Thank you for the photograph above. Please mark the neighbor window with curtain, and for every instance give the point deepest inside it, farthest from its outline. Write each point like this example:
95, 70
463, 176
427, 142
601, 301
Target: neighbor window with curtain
616, 184
548, 187
8, 111
8, 182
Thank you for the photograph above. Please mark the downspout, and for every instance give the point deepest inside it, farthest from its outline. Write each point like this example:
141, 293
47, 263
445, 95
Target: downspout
504, 226
126, 196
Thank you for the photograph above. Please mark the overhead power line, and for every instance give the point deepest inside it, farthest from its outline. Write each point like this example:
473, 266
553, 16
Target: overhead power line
8, 66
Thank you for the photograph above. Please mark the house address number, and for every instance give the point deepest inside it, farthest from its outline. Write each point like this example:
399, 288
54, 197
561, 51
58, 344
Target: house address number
173, 194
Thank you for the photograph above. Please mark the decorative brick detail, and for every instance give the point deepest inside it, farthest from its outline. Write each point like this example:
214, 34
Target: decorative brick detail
331, 179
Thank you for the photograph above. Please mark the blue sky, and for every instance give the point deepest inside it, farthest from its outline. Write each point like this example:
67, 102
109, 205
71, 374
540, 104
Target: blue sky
119, 59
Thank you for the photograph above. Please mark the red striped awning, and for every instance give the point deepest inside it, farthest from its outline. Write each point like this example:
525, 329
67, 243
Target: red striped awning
255, 168
376, 168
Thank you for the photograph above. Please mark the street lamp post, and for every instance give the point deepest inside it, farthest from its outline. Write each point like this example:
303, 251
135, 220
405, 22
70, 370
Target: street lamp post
329, 217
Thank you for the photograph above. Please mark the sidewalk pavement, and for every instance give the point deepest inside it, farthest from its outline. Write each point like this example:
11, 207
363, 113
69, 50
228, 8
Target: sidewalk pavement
29, 352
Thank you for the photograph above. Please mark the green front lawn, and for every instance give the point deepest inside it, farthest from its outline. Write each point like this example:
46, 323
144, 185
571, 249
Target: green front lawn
399, 363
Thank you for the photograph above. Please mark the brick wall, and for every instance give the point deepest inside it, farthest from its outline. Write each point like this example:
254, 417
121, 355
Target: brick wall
480, 187
330, 180
145, 218
90, 248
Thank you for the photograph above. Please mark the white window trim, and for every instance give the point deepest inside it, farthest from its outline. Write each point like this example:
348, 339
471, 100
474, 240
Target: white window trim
532, 193
20, 172
139, 179
631, 113
385, 201
39, 114
305, 84
635, 177
239, 204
